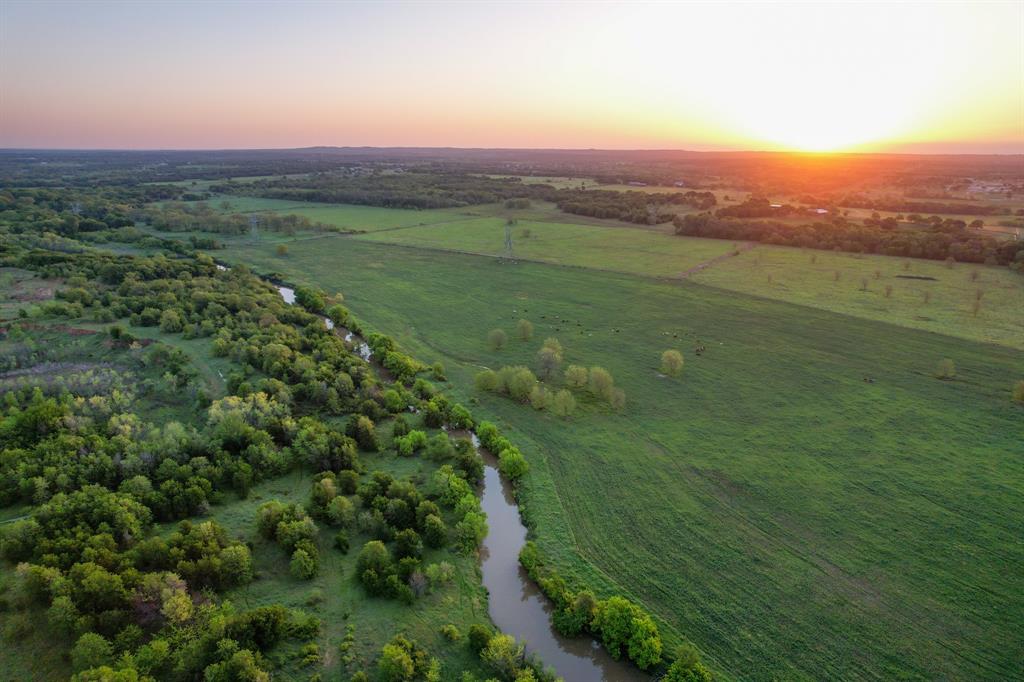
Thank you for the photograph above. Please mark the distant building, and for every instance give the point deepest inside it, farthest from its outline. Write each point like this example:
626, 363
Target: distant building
679, 183
776, 205
634, 183
819, 211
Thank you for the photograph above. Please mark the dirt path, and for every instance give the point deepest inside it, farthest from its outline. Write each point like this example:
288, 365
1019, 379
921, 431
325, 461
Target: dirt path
746, 246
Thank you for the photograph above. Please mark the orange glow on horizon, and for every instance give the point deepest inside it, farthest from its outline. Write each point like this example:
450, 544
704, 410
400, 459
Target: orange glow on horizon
779, 76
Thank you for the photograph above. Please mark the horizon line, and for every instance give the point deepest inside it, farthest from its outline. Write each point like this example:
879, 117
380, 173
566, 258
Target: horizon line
503, 149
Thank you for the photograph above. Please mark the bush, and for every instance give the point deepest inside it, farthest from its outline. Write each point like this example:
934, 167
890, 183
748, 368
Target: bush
945, 370
479, 638
451, 633
1018, 392
524, 328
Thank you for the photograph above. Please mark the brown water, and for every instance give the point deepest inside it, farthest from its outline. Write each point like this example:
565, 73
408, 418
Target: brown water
516, 604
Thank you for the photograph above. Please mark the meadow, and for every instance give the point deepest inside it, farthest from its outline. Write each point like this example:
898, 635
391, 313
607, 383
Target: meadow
922, 294
604, 248
806, 501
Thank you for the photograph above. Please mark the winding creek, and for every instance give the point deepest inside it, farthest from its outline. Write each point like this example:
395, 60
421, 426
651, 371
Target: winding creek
515, 604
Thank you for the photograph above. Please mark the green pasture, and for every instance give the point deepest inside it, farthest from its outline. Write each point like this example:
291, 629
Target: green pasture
806, 501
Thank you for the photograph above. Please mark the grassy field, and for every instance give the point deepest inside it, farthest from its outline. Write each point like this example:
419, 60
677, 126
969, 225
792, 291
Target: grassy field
792, 519
346, 216
640, 251
942, 302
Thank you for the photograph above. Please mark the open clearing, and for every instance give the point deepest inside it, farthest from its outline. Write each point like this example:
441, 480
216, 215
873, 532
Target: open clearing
623, 250
789, 517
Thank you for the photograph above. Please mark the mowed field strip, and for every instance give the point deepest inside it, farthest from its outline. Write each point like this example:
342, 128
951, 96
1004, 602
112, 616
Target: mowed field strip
789, 517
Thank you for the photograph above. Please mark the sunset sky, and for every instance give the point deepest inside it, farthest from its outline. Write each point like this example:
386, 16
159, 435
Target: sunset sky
918, 77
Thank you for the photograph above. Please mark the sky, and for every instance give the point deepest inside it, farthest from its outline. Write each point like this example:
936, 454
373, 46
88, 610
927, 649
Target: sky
938, 77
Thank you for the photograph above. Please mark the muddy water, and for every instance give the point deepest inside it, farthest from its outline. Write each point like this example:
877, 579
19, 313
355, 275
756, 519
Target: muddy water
518, 607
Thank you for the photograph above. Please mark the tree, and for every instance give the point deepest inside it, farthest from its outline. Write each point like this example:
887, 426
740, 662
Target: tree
374, 556
540, 397
671, 363
497, 339
601, 383
486, 380
479, 637
548, 360
512, 464
435, 532
282, 250
946, 370
170, 321
91, 651
687, 667
503, 655
303, 566
618, 399
395, 664
576, 376
563, 403
341, 512
524, 328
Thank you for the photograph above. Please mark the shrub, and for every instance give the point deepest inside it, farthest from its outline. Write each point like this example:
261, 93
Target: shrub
1018, 392
451, 633
524, 328
479, 638
946, 370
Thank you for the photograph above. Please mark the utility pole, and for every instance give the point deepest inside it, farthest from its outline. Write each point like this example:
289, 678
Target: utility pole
508, 238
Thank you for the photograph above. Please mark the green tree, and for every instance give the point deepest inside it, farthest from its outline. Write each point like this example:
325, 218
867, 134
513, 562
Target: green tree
563, 403
486, 380
524, 328
497, 338
395, 664
671, 363
576, 376
91, 651
601, 383
303, 566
